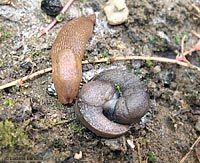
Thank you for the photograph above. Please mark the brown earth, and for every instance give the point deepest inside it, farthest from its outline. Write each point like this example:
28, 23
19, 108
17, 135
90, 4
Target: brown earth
36, 125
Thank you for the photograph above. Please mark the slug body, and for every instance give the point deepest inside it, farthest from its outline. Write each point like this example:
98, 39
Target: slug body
110, 103
67, 53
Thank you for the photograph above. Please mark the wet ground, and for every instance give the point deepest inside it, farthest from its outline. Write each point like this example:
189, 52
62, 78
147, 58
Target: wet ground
36, 125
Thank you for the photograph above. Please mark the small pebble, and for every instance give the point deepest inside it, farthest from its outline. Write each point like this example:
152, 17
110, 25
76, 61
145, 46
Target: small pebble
116, 11
51, 7
114, 144
51, 90
78, 156
157, 69
136, 64
130, 143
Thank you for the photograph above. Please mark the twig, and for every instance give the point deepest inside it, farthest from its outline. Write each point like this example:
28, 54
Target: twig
8, 2
112, 59
181, 57
182, 44
197, 10
178, 61
191, 148
159, 59
195, 34
25, 78
64, 9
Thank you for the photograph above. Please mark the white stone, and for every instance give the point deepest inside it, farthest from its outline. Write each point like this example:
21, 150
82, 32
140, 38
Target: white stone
116, 11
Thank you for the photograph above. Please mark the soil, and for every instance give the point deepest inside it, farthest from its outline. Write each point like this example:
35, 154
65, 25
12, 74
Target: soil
34, 125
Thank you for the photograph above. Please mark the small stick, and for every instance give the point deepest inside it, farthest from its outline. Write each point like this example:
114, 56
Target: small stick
182, 44
25, 78
195, 34
181, 56
196, 8
195, 47
112, 59
97, 61
64, 9
159, 59
191, 148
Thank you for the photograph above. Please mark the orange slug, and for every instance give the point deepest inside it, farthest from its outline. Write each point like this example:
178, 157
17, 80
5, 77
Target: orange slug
67, 53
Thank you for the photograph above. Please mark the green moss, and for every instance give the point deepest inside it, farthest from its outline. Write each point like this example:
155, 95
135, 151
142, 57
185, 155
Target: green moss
16, 67
12, 136
186, 34
60, 17
151, 157
1, 61
147, 79
8, 102
74, 127
4, 33
103, 55
149, 63
83, 1
7, 34
177, 38
153, 41
38, 52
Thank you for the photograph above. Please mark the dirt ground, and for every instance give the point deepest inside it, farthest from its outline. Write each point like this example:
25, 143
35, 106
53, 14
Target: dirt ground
34, 125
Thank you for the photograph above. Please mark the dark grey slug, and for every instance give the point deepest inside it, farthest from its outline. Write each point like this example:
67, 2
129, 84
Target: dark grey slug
110, 103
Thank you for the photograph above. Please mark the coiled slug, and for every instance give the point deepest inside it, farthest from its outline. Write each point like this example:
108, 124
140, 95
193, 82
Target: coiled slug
67, 53
107, 111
